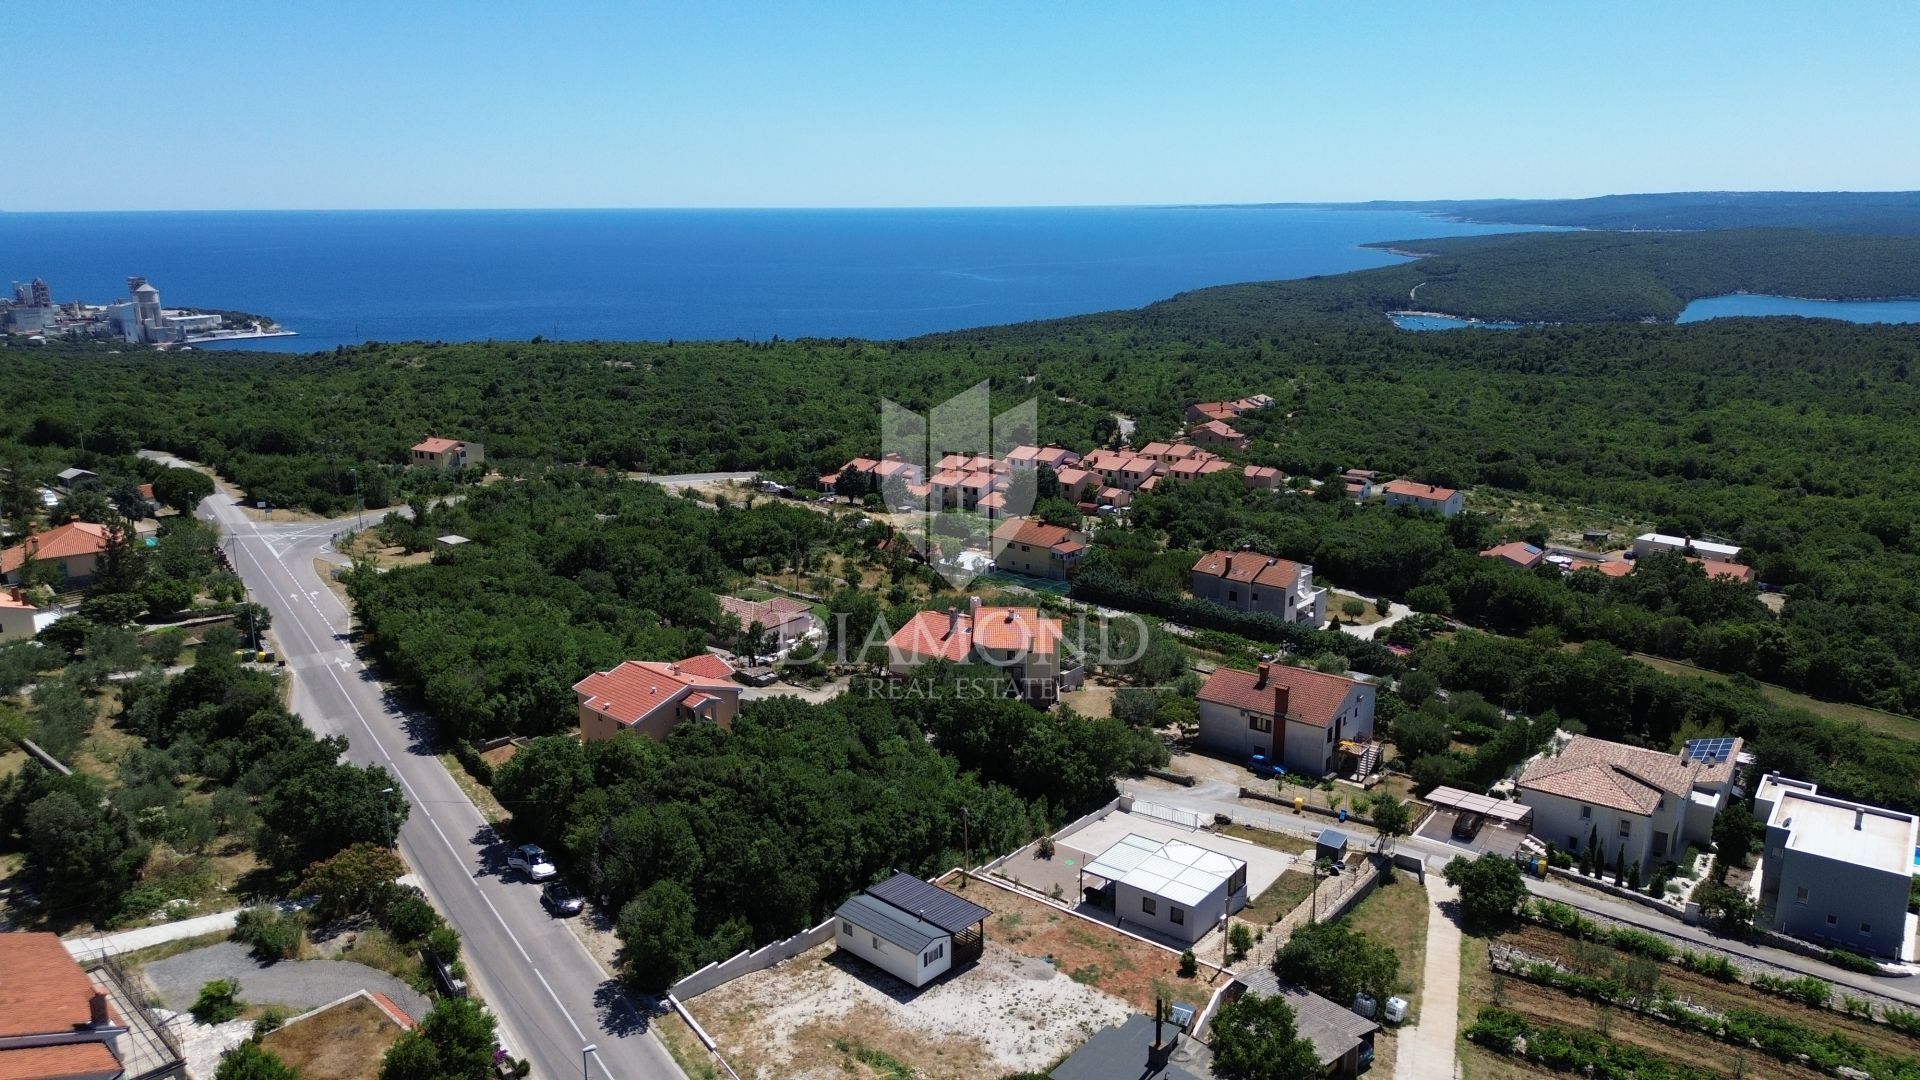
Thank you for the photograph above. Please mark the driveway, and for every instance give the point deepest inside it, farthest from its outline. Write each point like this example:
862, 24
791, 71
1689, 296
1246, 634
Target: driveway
1426, 1050
301, 984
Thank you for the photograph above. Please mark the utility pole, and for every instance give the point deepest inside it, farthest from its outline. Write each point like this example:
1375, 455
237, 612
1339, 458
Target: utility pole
966, 841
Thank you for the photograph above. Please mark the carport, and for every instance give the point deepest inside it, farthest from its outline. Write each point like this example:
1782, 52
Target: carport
1500, 810
1506, 822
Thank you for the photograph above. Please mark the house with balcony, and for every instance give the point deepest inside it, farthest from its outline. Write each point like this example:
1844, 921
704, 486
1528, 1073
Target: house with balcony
1021, 643
1440, 500
1647, 805
1306, 720
653, 698
435, 452
1250, 581
1032, 547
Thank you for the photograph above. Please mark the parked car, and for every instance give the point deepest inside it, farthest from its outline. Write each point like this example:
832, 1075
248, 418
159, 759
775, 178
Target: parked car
1466, 826
530, 860
1261, 765
562, 899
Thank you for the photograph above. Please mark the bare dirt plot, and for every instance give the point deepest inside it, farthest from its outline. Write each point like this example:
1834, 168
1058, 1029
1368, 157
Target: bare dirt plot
1090, 701
1093, 953
824, 1015
346, 1042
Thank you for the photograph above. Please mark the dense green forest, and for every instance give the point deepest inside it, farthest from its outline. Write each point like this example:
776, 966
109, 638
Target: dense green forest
1872, 212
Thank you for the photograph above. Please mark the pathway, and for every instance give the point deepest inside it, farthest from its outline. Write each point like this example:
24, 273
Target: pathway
301, 984
128, 940
1426, 1050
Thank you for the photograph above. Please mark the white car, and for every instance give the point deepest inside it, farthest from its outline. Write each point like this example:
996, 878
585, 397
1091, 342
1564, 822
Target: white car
530, 860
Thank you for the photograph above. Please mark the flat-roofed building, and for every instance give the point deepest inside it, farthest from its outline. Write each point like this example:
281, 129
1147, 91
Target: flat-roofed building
1836, 871
1170, 886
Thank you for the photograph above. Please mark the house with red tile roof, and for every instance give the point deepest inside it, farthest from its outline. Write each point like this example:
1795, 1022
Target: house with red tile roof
1218, 433
1646, 802
1250, 581
1076, 482
653, 698
1443, 501
16, 615
1136, 470
1156, 450
1018, 641
75, 547
435, 452
1032, 547
787, 619
1721, 569
1359, 483
1518, 553
55, 1022
1295, 716
1262, 478
1202, 464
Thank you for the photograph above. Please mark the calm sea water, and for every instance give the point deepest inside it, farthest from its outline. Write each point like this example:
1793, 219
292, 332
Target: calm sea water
1864, 311
348, 276
1448, 322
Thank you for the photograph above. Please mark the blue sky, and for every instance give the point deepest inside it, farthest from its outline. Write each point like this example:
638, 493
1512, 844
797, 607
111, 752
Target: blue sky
422, 103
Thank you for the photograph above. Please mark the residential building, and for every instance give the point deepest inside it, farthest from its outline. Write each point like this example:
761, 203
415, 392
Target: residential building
75, 547
1654, 543
1305, 720
1138, 1048
1032, 457
1645, 805
438, 453
1342, 1038
60, 1021
1250, 581
787, 619
1262, 478
1137, 470
1835, 871
1517, 553
1443, 501
1198, 465
1218, 433
1720, 569
653, 698
16, 615
910, 929
1032, 547
1203, 411
1171, 887
1077, 483
1023, 644
1359, 483
1158, 451
68, 479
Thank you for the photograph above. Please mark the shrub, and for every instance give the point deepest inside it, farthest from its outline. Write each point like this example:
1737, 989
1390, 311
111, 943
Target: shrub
218, 1003
409, 917
269, 1021
273, 934
1641, 943
1848, 960
1807, 990
1902, 1020
1239, 940
444, 940
1712, 965
1189, 965
355, 881
469, 758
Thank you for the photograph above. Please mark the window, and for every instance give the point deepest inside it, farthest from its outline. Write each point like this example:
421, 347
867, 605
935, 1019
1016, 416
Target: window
1626, 828
1800, 895
933, 954
1260, 723
846, 928
1833, 920
876, 944
1329, 736
1256, 596
1233, 594
1586, 813
1178, 916
1573, 842
1146, 905
1237, 882
1866, 928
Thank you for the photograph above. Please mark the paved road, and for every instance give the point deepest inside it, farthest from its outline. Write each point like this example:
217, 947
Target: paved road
297, 984
551, 996
1426, 1049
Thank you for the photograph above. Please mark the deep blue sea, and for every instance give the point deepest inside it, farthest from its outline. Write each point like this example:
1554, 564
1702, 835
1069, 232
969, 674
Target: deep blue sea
341, 277
1864, 311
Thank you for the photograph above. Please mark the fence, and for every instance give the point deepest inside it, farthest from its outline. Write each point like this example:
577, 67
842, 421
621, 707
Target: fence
1120, 803
1186, 819
725, 971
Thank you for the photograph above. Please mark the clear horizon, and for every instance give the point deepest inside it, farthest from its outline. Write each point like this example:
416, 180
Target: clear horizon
853, 105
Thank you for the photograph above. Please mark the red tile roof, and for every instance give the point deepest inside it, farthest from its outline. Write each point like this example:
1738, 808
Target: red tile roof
1219, 429
934, 635
1032, 531
65, 542
79, 1059
952, 461
1249, 567
1716, 568
708, 666
637, 688
770, 614
1020, 629
1301, 694
1418, 491
1075, 477
1518, 552
1156, 449
435, 445
1611, 774
43, 990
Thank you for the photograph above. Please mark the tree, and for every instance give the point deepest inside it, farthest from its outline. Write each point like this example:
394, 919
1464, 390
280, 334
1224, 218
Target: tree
182, 489
1419, 735
1734, 829
541, 781
1491, 889
252, 620
1730, 908
1256, 1038
657, 936
357, 881
1338, 963
326, 808
251, 1061
1417, 686
1239, 941
754, 642
455, 1041
219, 1002
1391, 816
86, 852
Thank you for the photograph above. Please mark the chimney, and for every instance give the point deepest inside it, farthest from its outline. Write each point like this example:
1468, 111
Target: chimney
1229, 567
1266, 672
973, 606
953, 621
1859, 819
1279, 701
97, 1007
1162, 1048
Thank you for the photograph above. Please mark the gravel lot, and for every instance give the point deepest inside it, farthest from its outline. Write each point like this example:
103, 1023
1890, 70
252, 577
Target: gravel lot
301, 984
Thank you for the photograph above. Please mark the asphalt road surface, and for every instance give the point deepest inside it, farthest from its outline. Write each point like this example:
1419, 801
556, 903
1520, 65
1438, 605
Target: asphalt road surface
551, 996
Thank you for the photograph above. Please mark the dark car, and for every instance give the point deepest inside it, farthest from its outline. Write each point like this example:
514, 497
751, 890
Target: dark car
562, 899
1466, 826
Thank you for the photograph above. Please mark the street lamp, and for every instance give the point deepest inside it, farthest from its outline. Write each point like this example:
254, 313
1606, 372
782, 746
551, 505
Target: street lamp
590, 1048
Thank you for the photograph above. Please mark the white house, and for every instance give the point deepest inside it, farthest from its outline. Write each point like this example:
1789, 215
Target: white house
1644, 803
1657, 543
1836, 871
910, 929
1171, 887
1250, 581
16, 615
1443, 501
1302, 718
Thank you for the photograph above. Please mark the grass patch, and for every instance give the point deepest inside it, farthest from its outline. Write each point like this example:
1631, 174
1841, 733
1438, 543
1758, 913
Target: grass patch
1266, 838
1286, 893
1396, 913
374, 948
878, 1060
685, 1048
475, 792
347, 1041
139, 958
1877, 720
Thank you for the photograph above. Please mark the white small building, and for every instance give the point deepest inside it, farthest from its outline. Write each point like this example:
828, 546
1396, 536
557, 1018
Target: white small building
910, 929
1171, 887
1835, 871
1659, 543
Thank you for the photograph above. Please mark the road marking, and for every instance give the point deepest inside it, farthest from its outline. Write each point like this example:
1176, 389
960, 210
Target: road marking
428, 814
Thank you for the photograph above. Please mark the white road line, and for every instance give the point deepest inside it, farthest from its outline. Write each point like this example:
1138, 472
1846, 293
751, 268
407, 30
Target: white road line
428, 814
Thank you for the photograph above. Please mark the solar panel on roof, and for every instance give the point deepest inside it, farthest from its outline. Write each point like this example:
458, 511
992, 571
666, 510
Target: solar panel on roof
1715, 749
